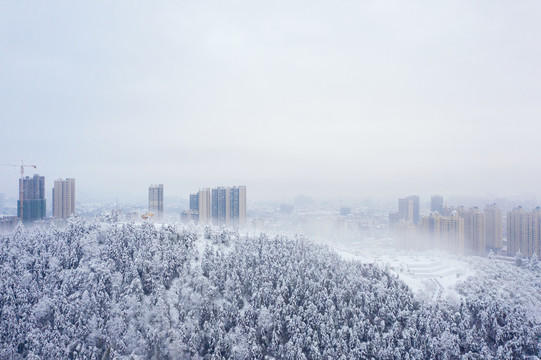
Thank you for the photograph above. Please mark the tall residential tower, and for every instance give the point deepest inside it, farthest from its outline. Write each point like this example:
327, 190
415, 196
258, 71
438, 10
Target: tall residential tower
493, 228
155, 200
408, 209
63, 198
524, 232
474, 230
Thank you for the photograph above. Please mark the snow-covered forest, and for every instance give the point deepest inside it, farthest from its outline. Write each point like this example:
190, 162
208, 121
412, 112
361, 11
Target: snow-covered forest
97, 290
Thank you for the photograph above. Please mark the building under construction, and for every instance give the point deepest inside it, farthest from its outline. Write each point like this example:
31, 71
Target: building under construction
33, 198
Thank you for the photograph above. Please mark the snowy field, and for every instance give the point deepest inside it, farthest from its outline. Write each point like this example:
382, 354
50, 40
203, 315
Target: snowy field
436, 276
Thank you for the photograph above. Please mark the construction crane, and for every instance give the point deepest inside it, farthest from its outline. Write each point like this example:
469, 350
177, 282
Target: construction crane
147, 215
22, 165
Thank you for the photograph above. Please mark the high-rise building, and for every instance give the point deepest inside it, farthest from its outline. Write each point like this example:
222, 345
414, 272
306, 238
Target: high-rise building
229, 206
516, 230
493, 228
194, 202
238, 205
33, 191
204, 205
535, 241
474, 230
452, 233
444, 232
524, 232
408, 209
416, 210
224, 205
155, 200
221, 206
63, 198
405, 209
436, 204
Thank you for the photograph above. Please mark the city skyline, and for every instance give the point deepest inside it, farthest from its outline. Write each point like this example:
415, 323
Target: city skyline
180, 194
365, 98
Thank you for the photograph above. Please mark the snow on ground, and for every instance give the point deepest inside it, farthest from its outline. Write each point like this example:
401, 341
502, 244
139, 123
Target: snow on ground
431, 275
435, 275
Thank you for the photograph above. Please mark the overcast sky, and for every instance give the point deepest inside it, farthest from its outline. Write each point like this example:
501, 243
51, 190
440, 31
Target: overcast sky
328, 99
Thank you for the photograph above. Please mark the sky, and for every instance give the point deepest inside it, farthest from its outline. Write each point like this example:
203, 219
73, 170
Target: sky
328, 99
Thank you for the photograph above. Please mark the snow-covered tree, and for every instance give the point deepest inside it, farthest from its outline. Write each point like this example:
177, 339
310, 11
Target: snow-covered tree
110, 290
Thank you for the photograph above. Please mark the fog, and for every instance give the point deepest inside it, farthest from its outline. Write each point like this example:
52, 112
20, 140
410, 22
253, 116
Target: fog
357, 99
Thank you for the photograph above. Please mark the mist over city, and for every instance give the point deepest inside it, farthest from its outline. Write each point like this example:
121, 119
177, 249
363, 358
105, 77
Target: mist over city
239, 180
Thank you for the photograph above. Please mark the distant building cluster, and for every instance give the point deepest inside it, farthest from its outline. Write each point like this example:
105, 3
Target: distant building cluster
221, 206
456, 230
32, 204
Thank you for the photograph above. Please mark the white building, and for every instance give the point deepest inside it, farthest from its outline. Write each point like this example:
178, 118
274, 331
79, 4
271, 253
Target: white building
63, 198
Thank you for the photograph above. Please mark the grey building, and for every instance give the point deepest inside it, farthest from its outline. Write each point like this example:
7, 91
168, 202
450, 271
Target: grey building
194, 201
221, 206
155, 200
200, 206
436, 204
33, 205
408, 209
494, 228
237, 205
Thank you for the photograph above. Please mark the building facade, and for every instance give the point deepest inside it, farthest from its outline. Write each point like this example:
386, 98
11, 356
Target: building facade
155, 200
63, 198
221, 205
443, 232
408, 209
33, 205
493, 228
238, 206
436, 204
204, 206
474, 231
194, 202
524, 232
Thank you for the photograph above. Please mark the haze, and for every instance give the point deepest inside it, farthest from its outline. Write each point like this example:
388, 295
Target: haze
355, 98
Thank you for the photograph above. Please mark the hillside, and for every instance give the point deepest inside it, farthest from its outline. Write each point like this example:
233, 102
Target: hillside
99, 290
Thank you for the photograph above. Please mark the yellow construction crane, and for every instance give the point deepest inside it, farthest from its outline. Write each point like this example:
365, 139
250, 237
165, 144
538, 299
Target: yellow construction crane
22, 165
147, 215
